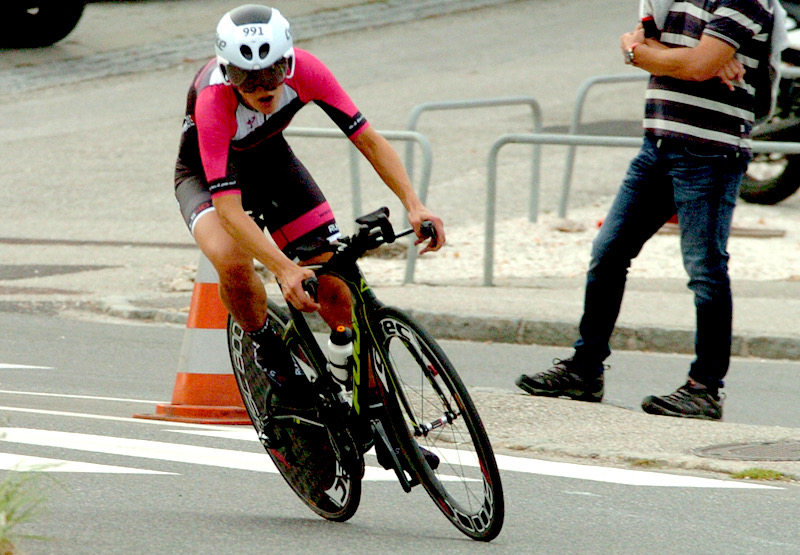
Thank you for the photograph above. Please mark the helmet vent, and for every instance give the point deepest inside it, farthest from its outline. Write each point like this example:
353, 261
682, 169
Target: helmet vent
246, 52
263, 51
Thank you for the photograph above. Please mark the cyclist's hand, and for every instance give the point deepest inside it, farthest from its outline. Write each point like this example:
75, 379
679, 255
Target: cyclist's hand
437, 240
292, 287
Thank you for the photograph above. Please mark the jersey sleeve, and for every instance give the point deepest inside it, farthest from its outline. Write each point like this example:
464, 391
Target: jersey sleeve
215, 117
316, 83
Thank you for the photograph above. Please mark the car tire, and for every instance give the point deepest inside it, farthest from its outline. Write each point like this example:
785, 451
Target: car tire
38, 23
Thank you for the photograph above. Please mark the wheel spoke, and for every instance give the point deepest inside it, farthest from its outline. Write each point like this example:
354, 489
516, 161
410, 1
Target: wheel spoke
442, 420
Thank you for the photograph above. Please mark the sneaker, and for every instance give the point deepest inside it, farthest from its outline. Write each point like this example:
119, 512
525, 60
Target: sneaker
564, 379
689, 401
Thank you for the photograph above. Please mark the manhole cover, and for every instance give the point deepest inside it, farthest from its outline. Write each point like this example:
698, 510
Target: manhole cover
767, 451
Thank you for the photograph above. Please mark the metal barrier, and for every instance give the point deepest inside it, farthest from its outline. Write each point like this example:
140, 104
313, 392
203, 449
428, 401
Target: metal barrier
583, 91
570, 140
536, 115
408, 137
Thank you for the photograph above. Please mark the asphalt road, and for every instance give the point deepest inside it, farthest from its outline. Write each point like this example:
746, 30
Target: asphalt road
116, 485
89, 160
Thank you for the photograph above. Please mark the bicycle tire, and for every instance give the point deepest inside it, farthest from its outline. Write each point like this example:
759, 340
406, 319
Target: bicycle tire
301, 449
466, 486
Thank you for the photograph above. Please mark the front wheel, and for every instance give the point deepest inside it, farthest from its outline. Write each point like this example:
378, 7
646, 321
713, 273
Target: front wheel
300, 448
440, 417
770, 178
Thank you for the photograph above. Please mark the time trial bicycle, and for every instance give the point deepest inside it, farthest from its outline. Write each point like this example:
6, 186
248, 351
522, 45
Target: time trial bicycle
407, 401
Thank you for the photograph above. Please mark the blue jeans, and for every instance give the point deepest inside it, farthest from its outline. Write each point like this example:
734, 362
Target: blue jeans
700, 184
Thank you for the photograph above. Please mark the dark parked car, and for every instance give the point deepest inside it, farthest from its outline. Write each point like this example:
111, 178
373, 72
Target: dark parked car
36, 23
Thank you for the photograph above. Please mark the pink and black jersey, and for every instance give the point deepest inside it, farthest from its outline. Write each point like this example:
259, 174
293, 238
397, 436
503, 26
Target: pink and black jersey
220, 130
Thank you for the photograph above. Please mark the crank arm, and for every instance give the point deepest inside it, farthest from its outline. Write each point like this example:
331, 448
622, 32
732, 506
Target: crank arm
380, 435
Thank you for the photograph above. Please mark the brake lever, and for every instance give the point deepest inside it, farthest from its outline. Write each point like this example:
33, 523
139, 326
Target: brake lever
311, 286
429, 230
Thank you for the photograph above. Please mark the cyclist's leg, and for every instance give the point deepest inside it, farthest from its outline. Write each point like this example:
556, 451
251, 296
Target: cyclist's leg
334, 297
240, 288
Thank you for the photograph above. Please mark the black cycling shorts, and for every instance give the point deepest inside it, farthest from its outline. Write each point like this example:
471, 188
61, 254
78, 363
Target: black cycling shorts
278, 192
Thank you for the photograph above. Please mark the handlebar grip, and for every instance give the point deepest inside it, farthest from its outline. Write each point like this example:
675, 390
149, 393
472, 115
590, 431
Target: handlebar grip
311, 285
428, 230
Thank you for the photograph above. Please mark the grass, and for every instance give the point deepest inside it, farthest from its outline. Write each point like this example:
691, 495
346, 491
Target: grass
762, 474
21, 500
644, 463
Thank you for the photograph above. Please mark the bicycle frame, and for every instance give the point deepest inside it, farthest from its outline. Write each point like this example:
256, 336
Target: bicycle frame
365, 303
366, 341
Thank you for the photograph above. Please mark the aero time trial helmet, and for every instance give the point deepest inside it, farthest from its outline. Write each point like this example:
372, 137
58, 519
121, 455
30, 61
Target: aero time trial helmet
254, 47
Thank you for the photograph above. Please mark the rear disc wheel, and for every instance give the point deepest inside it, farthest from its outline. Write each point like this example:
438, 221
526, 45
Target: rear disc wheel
300, 447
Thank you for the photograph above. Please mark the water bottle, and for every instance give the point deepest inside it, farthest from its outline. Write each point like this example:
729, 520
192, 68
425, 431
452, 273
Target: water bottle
340, 353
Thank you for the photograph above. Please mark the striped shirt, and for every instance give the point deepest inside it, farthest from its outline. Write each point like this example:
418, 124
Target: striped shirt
708, 111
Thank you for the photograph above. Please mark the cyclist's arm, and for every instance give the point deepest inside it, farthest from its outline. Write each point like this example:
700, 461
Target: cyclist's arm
249, 236
389, 167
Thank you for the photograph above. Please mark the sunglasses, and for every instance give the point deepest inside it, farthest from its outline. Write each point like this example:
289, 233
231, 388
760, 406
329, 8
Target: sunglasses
268, 79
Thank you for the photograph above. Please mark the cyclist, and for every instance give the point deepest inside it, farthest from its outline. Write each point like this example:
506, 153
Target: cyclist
236, 176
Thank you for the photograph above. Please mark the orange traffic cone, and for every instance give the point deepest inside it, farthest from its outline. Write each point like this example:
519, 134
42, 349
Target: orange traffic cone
202, 395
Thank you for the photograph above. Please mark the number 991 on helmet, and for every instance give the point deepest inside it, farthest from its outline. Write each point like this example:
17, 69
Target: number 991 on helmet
253, 38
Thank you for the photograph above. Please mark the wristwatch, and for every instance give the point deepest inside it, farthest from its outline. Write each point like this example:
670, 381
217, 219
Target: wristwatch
629, 55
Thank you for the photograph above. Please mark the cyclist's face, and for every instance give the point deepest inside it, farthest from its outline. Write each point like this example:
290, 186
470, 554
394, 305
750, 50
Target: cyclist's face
264, 101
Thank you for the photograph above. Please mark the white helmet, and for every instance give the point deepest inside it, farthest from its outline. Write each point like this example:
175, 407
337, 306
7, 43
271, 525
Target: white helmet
252, 38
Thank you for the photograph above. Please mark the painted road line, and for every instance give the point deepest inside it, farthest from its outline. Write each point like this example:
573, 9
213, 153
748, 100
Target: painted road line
155, 450
84, 397
139, 448
618, 475
23, 367
99, 417
548, 468
23, 463
505, 462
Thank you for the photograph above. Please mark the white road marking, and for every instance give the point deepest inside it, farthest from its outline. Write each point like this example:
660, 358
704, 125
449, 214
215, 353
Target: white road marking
87, 397
140, 448
618, 475
548, 468
223, 458
23, 367
102, 417
505, 462
22, 463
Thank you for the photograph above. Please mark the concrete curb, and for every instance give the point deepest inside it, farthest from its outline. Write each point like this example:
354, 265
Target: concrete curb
516, 331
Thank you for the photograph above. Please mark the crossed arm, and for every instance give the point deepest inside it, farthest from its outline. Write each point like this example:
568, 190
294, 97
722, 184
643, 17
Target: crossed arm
711, 58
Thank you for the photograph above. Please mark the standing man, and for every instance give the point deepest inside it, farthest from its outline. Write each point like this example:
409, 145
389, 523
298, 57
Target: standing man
706, 64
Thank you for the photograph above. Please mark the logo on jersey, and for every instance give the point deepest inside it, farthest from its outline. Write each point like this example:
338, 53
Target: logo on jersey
358, 120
